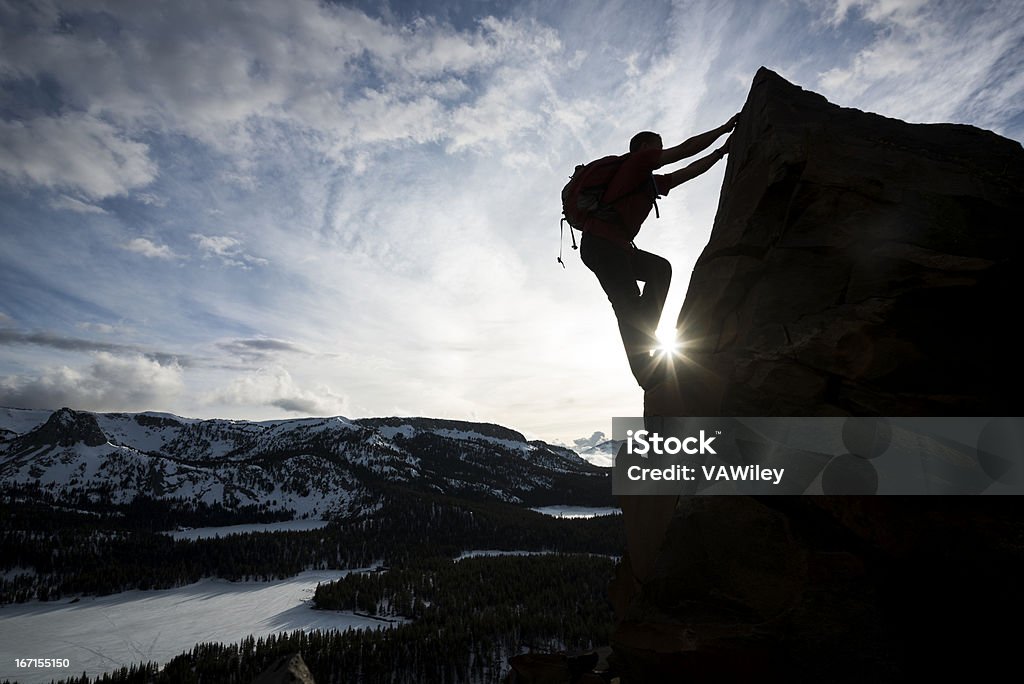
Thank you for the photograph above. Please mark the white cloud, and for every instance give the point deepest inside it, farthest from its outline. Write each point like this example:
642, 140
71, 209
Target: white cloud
221, 245
75, 151
150, 249
275, 386
227, 249
584, 442
110, 383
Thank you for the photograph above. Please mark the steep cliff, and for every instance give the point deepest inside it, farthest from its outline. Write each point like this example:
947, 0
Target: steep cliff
858, 266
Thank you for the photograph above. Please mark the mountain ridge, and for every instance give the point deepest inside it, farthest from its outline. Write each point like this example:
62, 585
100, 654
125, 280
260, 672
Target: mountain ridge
305, 467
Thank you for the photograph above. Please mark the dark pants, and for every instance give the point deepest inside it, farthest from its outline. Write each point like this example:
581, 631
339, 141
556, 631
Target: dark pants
618, 269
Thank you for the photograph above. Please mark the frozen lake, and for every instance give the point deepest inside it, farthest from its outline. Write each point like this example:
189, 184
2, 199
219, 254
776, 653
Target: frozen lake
213, 532
576, 511
497, 552
104, 633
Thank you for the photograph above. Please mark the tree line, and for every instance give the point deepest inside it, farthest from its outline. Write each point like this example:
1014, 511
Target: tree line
66, 553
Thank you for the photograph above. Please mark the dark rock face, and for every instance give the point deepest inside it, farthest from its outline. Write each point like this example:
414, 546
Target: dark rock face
286, 670
860, 266
66, 428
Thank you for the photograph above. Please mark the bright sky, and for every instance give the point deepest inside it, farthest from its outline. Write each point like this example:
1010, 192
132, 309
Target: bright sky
282, 208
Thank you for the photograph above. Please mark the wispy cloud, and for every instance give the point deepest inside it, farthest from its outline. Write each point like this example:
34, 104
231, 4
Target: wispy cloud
103, 328
227, 249
148, 248
64, 343
11, 336
905, 12
261, 348
151, 199
934, 62
75, 205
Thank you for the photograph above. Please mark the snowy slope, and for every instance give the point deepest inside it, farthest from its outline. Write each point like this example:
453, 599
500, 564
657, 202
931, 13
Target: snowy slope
98, 634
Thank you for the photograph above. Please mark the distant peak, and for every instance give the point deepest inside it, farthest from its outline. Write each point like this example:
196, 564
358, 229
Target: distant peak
68, 427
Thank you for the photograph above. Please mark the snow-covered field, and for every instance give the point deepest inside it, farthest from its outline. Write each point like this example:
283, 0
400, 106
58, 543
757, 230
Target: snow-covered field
212, 532
576, 511
104, 633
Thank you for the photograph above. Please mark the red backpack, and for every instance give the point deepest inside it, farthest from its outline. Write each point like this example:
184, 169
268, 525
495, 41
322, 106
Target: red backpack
581, 197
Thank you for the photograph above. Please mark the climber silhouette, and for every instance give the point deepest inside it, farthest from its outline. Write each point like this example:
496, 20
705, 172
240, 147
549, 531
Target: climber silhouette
608, 250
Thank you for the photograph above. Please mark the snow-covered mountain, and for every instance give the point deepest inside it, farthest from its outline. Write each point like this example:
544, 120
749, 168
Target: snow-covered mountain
598, 449
312, 466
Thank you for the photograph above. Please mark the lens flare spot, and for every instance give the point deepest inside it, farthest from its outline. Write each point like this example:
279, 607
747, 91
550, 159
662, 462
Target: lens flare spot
668, 343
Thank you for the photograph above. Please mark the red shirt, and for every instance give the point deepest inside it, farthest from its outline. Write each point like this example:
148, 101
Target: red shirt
633, 207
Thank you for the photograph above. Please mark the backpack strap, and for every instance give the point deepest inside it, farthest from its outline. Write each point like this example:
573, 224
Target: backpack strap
561, 239
655, 195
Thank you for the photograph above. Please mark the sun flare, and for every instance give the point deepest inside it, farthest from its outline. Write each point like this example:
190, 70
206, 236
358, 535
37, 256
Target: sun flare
668, 343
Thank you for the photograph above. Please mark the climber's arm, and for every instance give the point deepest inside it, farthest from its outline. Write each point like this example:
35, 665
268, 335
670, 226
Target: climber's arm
695, 145
695, 169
